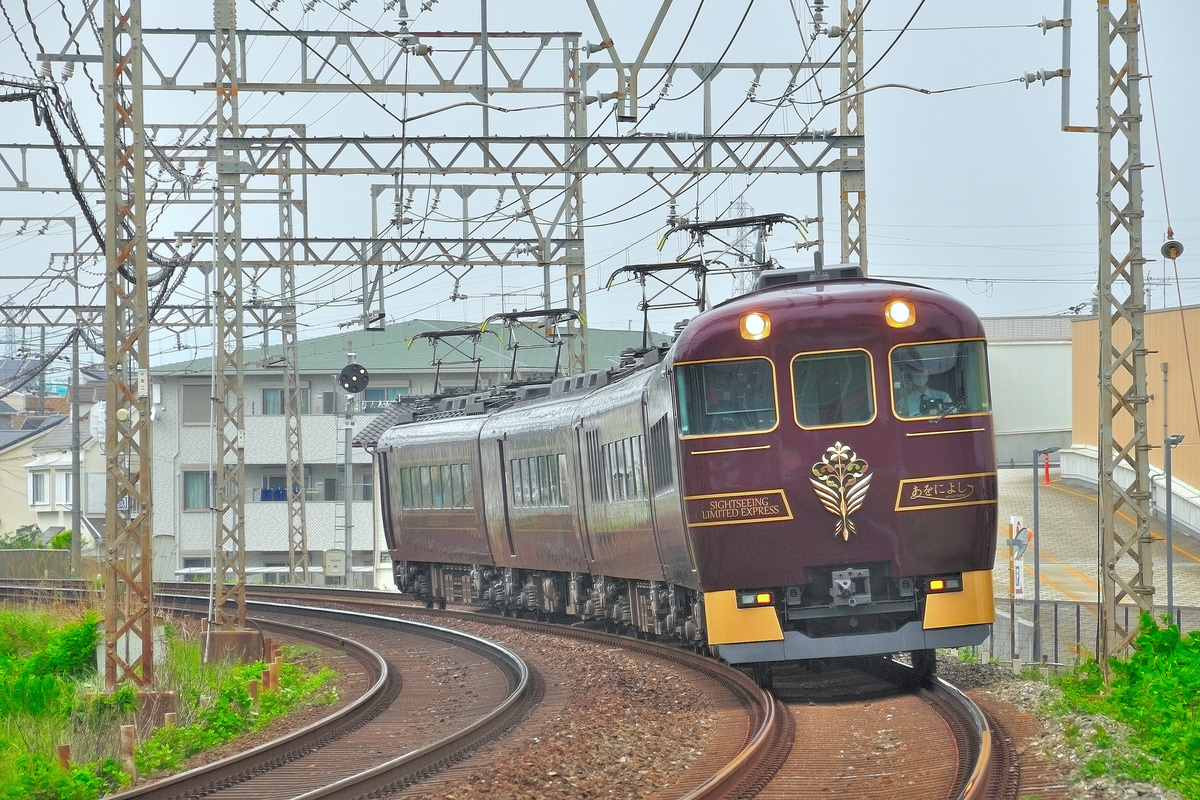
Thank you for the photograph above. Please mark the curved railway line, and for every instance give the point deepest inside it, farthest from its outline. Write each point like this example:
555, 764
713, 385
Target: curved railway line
766, 745
342, 755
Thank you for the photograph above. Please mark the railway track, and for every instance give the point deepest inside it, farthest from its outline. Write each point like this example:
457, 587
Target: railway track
786, 745
976, 760
351, 753
878, 731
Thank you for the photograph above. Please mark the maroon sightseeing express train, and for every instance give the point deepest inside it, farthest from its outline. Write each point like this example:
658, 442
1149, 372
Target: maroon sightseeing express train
807, 472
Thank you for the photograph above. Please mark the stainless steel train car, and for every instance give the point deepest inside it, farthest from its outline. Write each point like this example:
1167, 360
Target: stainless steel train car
806, 472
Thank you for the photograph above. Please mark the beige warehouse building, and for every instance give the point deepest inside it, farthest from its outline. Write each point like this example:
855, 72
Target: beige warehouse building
1172, 348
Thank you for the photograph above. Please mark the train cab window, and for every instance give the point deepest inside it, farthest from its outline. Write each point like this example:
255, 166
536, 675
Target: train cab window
833, 388
938, 379
728, 396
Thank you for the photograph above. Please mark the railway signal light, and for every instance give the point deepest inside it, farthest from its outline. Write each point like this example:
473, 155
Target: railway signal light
354, 378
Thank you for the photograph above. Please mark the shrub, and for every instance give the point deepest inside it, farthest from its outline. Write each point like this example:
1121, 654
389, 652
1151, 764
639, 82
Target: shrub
1154, 692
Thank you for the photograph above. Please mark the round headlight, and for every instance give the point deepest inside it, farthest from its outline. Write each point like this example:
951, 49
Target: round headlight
900, 313
755, 325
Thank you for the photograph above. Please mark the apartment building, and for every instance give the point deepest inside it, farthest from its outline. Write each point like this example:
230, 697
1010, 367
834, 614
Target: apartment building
400, 360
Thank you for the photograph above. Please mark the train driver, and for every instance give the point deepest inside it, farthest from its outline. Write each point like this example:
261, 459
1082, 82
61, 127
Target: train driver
923, 399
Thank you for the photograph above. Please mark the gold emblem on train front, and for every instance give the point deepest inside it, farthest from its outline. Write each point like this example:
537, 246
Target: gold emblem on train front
840, 480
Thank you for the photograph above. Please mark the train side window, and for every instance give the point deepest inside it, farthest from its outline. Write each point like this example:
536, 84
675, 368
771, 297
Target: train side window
833, 388
560, 471
426, 500
727, 396
639, 466
468, 487
437, 500
595, 456
456, 489
405, 478
520, 495
935, 379
536, 481
552, 485
544, 480
662, 472
530, 476
413, 487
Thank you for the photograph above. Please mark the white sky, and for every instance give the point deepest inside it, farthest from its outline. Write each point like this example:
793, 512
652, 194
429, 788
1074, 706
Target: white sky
972, 187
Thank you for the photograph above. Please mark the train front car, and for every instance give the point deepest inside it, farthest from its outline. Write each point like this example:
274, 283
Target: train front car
838, 471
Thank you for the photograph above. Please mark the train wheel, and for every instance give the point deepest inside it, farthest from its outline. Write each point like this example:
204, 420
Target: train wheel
429, 601
924, 662
442, 603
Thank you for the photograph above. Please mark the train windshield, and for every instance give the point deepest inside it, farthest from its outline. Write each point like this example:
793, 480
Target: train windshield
937, 379
833, 388
729, 396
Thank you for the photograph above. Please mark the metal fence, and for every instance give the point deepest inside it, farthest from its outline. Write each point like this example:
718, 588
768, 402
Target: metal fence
1068, 631
35, 564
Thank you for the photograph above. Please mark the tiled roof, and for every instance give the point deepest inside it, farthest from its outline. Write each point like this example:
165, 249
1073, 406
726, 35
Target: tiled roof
60, 438
8, 438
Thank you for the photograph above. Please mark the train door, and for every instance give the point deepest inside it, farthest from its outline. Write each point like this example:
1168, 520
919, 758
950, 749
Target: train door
504, 512
581, 516
647, 446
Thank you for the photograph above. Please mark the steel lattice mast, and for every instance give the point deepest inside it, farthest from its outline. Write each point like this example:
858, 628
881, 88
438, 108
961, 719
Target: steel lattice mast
1124, 442
853, 181
230, 429
297, 532
128, 597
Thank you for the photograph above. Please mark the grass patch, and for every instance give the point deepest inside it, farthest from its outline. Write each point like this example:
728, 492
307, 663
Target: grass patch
50, 695
1156, 693
220, 709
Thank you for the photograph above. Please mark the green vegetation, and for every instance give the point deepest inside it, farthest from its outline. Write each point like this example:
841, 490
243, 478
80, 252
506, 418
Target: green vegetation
26, 537
219, 708
1156, 692
50, 695
29, 537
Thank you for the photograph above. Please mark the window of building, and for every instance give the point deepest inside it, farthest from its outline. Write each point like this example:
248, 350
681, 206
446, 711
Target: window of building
63, 489
833, 388
274, 401
727, 396
274, 487
199, 490
936, 379
39, 488
195, 403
